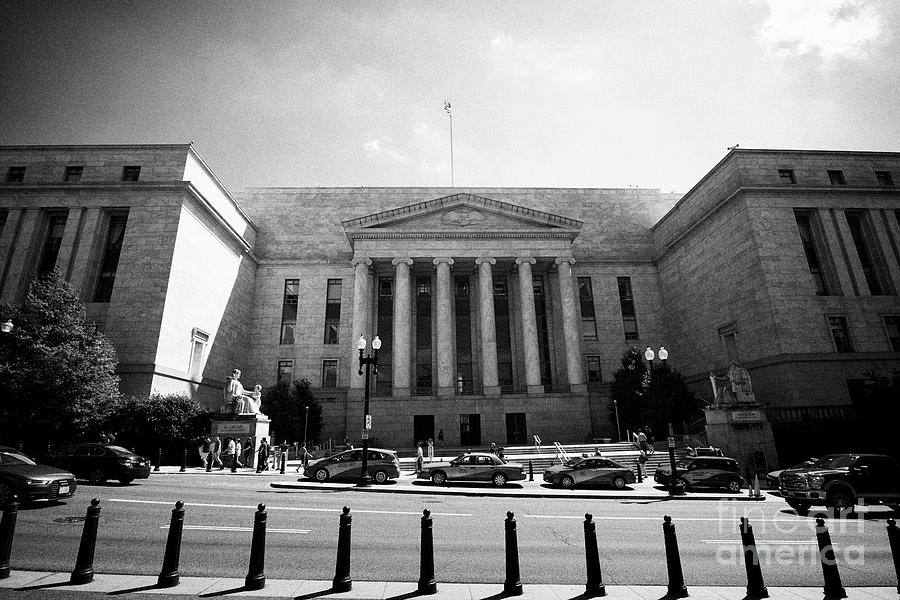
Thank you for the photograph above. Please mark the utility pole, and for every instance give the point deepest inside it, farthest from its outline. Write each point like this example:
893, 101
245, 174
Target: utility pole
447, 108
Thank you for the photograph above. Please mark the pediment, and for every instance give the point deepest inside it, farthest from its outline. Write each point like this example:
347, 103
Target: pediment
461, 215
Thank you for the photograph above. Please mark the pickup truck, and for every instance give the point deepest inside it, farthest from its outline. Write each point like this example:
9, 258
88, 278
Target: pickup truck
841, 481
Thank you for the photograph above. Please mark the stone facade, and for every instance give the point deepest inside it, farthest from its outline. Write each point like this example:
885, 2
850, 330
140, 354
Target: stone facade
718, 273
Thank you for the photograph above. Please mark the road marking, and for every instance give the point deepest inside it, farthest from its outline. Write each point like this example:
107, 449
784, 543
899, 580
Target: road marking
608, 518
292, 508
766, 543
223, 528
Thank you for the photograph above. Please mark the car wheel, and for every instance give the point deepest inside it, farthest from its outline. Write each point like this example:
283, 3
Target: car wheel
734, 486
683, 483
438, 478
619, 483
321, 475
499, 479
802, 508
126, 480
567, 482
380, 477
841, 500
98, 477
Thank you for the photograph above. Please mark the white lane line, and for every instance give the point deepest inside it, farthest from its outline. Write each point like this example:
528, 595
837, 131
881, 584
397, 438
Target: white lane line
766, 543
292, 508
608, 518
223, 528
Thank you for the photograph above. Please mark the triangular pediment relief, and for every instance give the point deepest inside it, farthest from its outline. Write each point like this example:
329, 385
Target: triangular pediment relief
463, 215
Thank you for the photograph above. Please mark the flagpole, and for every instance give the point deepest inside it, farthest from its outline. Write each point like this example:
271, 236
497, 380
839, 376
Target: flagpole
447, 108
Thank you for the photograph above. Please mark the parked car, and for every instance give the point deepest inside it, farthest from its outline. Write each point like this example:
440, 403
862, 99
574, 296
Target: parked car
22, 476
101, 462
593, 470
772, 476
704, 472
347, 465
841, 480
473, 466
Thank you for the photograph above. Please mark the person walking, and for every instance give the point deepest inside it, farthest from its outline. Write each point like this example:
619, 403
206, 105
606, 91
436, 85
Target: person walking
419, 457
642, 441
230, 453
441, 438
430, 450
237, 453
304, 458
216, 450
262, 456
248, 451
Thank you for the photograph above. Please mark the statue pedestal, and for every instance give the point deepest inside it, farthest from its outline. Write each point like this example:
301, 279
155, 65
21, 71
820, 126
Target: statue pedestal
255, 426
743, 432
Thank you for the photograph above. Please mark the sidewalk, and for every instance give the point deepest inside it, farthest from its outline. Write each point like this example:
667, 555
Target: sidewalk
35, 584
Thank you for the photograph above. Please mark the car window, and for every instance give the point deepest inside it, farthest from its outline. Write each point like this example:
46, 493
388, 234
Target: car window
66, 451
485, 460
83, 450
119, 450
836, 461
375, 455
14, 458
356, 455
97, 451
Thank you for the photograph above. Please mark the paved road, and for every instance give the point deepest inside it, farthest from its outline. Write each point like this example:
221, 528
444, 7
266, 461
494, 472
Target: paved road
468, 533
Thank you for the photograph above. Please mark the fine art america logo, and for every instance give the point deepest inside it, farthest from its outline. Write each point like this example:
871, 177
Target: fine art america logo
462, 218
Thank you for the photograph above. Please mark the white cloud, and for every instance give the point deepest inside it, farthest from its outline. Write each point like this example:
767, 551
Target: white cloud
538, 59
829, 28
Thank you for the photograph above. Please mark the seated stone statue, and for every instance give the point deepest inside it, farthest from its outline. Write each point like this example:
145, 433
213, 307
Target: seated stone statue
738, 388
253, 401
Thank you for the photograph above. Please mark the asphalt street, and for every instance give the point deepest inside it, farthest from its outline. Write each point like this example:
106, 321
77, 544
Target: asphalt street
302, 528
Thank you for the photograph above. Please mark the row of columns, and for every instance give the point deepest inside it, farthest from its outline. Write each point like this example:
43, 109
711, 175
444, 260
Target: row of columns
444, 323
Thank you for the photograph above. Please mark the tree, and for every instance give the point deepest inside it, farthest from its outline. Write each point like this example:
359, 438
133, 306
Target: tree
166, 422
57, 372
286, 403
652, 398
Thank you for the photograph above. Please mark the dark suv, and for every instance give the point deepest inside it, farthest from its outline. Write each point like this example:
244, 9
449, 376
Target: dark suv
840, 480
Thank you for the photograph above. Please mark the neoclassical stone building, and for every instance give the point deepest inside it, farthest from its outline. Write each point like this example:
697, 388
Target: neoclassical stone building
503, 312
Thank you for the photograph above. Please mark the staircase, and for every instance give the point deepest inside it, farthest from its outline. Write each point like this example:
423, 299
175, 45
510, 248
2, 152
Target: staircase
623, 453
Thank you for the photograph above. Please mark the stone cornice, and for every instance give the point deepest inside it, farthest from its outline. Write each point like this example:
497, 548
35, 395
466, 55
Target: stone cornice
368, 234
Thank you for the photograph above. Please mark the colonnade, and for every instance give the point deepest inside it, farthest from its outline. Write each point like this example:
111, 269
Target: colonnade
444, 323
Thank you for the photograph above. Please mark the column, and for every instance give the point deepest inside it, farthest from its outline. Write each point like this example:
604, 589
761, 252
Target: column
836, 258
570, 324
445, 379
861, 287
361, 311
24, 252
402, 324
887, 249
529, 326
87, 253
488, 325
69, 242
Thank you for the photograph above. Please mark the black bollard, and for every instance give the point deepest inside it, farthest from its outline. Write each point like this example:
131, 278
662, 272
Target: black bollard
183, 461
283, 461
677, 589
640, 478
209, 462
833, 586
7, 531
169, 576
513, 584
342, 581
427, 584
256, 575
530, 471
158, 459
84, 564
755, 586
594, 586
894, 541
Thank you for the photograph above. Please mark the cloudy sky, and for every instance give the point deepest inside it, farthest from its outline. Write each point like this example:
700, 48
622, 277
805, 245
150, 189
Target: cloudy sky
558, 94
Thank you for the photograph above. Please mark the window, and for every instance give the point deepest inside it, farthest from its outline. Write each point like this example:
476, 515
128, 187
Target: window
131, 173
594, 374
836, 178
289, 310
73, 173
329, 373
859, 234
812, 257
56, 225
588, 316
199, 339
840, 334
285, 371
464, 356
110, 263
787, 176
504, 338
728, 338
15, 175
540, 313
423, 336
333, 311
884, 178
892, 326
626, 302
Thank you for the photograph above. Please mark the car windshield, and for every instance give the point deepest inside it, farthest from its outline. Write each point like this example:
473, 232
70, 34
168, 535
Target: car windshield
119, 450
838, 461
14, 458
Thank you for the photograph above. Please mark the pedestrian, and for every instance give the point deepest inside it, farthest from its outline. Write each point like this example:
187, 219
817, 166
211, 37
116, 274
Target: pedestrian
441, 438
304, 458
650, 439
237, 453
642, 441
230, 452
500, 453
597, 451
419, 456
104, 439
112, 437
216, 449
203, 449
493, 448
430, 450
248, 451
262, 456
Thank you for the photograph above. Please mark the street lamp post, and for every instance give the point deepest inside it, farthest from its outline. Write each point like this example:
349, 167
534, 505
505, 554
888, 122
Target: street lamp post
618, 427
305, 423
670, 439
370, 361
